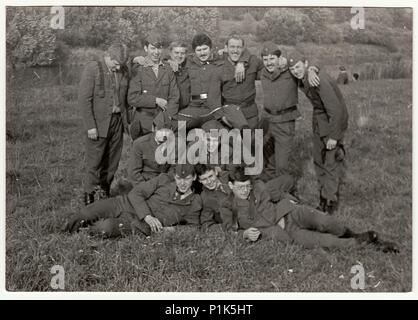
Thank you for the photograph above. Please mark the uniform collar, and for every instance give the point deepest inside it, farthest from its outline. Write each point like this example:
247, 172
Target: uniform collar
149, 63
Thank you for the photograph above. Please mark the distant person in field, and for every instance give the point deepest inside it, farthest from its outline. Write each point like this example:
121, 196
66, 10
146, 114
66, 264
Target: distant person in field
249, 211
149, 207
342, 76
330, 121
280, 92
153, 91
102, 100
216, 190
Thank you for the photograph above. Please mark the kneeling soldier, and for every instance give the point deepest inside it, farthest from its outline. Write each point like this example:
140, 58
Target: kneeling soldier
149, 207
250, 211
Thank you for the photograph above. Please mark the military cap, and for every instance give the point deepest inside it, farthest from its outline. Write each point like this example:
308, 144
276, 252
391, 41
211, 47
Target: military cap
154, 39
270, 48
184, 170
293, 58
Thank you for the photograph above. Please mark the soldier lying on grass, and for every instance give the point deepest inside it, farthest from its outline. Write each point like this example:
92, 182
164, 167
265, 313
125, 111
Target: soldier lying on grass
216, 190
148, 207
250, 211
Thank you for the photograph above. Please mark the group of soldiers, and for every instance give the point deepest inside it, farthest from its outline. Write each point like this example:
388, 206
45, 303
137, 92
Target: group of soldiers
148, 95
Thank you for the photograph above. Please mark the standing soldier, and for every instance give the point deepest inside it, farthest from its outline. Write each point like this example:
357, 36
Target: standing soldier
102, 99
225, 90
280, 91
178, 53
153, 91
329, 123
200, 67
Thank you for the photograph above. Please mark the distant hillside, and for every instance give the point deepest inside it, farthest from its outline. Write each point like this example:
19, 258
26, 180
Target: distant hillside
324, 35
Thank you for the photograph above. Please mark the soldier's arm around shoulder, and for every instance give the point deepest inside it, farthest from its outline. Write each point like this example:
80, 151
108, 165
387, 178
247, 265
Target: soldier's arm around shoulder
334, 106
86, 94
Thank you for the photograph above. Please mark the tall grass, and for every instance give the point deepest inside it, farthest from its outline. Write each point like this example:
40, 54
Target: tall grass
44, 165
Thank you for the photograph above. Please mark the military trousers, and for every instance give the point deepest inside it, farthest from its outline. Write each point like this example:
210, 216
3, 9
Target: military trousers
113, 217
328, 169
103, 155
312, 228
283, 134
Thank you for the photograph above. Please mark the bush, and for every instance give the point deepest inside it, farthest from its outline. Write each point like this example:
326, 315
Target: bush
30, 41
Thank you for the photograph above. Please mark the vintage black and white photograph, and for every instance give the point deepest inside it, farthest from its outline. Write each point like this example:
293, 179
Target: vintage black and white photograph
208, 149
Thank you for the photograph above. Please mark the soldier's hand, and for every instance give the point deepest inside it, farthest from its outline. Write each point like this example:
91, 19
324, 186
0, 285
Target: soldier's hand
331, 144
251, 234
139, 60
92, 134
313, 78
162, 103
239, 72
154, 223
174, 65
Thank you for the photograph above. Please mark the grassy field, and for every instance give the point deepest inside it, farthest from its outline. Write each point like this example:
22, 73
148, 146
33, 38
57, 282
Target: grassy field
45, 160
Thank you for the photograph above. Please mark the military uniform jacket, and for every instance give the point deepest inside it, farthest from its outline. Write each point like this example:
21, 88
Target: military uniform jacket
225, 90
158, 197
142, 164
211, 201
257, 211
145, 87
330, 116
280, 91
96, 96
183, 84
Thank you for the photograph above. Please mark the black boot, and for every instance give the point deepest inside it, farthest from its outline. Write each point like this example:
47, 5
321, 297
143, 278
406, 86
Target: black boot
387, 246
367, 237
322, 204
88, 198
330, 206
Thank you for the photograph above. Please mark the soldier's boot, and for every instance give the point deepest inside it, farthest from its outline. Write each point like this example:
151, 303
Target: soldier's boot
387, 246
88, 198
368, 237
322, 204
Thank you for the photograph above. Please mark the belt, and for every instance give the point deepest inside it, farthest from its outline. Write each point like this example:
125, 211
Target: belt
202, 96
280, 112
242, 104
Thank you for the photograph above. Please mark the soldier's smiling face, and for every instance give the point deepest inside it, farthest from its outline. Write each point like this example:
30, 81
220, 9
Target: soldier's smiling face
178, 54
299, 69
241, 189
271, 62
203, 52
184, 184
209, 179
235, 48
153, 53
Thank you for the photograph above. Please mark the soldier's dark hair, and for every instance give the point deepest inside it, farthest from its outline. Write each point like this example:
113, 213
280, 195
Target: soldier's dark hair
277, 53
235, 36
238, 174
201, 39
202, 168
